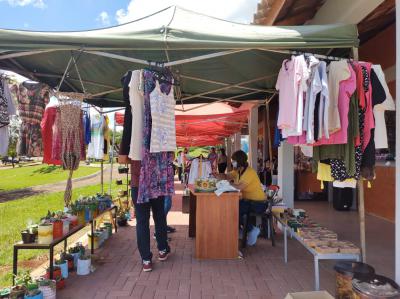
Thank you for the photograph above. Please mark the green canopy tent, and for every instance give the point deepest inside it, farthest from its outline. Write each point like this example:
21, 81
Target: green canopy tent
216, 59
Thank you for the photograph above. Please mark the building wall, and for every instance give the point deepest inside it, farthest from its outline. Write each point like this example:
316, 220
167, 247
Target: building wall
380, 199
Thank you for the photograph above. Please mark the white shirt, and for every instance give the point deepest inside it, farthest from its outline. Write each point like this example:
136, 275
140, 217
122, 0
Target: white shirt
136, 99
379, 111
96, 145
323, 119
4, 134
163, 133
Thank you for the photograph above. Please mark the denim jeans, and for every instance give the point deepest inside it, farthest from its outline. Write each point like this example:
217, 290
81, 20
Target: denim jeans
143, 225
248, 206
167, 204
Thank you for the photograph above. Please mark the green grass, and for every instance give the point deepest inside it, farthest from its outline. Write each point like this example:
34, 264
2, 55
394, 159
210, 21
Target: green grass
16, 214
22, 177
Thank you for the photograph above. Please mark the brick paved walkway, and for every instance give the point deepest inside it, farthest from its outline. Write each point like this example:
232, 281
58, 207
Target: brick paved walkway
262, 274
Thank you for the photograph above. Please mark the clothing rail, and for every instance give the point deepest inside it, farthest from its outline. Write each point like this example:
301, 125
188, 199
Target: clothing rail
320, 56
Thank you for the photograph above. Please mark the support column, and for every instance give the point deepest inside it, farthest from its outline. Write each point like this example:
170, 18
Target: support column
397, 219
229, 152
286, 173
253, 137
237, 142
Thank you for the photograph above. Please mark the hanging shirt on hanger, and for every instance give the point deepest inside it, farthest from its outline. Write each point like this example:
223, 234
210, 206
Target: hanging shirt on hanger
379, 110
86, 127
323, 128
32, 100
163, 134
96, 145
287, 84
7, 109
136, 99
337, 72
302, 73
47, 126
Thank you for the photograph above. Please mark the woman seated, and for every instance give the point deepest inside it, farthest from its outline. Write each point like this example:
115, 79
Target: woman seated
253, 199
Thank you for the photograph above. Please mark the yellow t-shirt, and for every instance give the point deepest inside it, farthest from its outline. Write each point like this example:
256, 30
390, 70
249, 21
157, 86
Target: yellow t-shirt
253, 190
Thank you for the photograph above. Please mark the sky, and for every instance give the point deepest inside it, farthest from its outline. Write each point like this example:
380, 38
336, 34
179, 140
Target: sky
72, 15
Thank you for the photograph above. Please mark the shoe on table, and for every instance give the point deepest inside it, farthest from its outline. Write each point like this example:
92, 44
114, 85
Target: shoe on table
163, 255
252, 236
170, 229
147, 266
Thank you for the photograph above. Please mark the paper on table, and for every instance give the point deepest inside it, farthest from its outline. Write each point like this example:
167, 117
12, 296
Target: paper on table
224, 186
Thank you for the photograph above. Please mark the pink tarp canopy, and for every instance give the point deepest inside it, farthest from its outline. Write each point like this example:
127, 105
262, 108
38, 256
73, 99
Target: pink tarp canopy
201, 125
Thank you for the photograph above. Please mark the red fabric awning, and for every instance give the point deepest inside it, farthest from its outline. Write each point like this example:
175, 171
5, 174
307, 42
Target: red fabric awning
201, 125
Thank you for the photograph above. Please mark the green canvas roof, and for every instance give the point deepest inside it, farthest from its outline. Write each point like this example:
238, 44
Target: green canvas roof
240, 54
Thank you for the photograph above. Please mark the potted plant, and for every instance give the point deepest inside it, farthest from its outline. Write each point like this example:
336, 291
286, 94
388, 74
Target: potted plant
56, 272
75, 251
123, 169
84, 264
70, 260
33, 292
48, 288
119, 182
5, 293
63, 264
57, 228
60, 283
27, 237
45, 233
121, 218
22, 279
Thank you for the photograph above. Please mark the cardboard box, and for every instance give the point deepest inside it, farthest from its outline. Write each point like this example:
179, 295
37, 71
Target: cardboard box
309, 295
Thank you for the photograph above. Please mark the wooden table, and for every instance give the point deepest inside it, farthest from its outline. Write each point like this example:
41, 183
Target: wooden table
214, 221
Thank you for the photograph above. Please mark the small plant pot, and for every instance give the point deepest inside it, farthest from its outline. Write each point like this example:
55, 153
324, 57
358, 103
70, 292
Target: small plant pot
123, 193
26, 237
109, 228
96, 241
73, 221
76, 256
60, 284
119, 182
66, 224
56, 274
37, 296
71, 266
57, 230
122, 221
64, 269
49, 292
88, 215
45, 234
81, 217
17, 292
83, 267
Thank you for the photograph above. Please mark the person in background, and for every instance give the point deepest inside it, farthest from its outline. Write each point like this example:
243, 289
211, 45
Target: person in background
179, 164
212, 156
253, 199
222, 161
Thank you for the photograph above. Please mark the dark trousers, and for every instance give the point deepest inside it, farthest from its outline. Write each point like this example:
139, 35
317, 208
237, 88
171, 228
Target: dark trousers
250, 206
180, 173
222, 167
143, 224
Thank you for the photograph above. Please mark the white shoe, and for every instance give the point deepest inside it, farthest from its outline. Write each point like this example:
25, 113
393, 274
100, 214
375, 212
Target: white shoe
252, 236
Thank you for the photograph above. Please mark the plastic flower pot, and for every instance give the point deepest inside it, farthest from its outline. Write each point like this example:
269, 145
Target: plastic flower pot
71, 266
60, 284
76, 256
17, 292
96, 241
49, 291
66, 224
37, 296
56, 273
88, 214
83, 266
57, 229
122, 221
109, 228
45, 233
64, 269
26, 237
73, 221
81, 217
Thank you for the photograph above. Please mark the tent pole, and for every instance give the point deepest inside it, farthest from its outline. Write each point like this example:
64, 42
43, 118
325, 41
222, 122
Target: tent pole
397, 154
25, 53
112, 155
269, 137
361, 206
